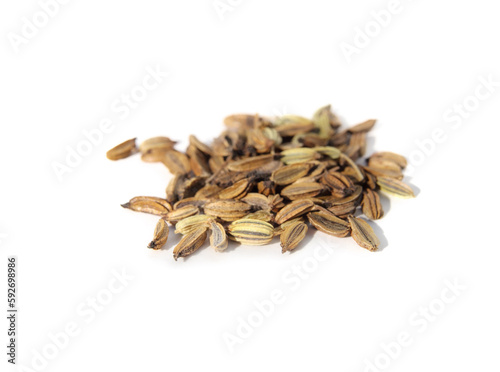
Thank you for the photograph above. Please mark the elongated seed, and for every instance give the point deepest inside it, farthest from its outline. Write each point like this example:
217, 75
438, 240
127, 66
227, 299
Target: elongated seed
190, 243
160, 235
395, 187
292, 236
123, 150
363, 234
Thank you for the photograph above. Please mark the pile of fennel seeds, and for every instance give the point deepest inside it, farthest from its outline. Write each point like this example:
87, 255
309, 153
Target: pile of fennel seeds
263, 178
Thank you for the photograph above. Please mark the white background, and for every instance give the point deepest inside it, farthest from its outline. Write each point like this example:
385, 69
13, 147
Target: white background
268, 57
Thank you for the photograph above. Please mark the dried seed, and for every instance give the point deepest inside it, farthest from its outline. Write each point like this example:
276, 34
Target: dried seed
260, 215
290, 125
395, 187
340, 185
397, 174
330, 151
176, 162
365, 126
218, 239
251, 232
302, 190
246, 165
189, 224
293, 210
372, 208
200, 145
227, 210
363, 234
290, 173
148, 204
396, 158
156, 144
160, 235
182, 213
123, 150
196, 202
257, 201
237, 191
357, 172
190, 243
329, 223
299, 155
208, 191
292, 236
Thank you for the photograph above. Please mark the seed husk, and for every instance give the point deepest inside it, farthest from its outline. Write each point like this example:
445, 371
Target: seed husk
290, 173
160, 235
363, 234
156, 144
372, 208
182, 213
302, 190
251, 232
123, 150
365, 126
190, 243
227, 210
237, 191
176, 162
292, 236
148, 204
298, 155
218, 239
189, 224
293, 210
246, 165
395, 187
329, 223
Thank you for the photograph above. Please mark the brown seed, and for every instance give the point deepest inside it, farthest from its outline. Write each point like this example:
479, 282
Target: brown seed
156, 144
148, 204
246, 165
340, 185
176, 162
328, 223
123, 150
181, 213
302, 190
237, 191
396, 158
363, 234
190, 243
227, 210
293, 210
292, 236
372, 208
365, 126
160, 235
290, 173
